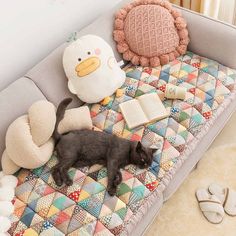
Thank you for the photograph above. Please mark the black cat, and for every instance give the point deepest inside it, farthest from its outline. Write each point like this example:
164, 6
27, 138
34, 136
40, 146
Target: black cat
82, 148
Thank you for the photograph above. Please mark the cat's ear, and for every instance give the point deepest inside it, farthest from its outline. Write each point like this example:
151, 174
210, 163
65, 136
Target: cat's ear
139, 147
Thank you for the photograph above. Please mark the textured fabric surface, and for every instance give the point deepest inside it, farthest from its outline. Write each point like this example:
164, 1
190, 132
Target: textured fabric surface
205, 139
150, 31
86, 208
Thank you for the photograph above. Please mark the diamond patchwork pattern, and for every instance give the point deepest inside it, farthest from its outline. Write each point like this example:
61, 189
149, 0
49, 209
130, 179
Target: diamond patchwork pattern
85, 208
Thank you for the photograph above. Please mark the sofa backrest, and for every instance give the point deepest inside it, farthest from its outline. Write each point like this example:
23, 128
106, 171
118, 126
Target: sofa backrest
30, 31
49, 75
209, 38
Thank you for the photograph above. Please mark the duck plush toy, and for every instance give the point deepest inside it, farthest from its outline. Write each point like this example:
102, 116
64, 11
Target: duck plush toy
92, 70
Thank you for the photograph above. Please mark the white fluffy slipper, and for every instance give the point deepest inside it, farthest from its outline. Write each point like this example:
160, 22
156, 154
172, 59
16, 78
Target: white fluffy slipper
6, 208
226, 196
6, 193
5, 224
210, 206
9, 181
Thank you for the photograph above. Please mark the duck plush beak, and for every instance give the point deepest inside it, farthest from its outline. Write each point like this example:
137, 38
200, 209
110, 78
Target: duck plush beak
87, 66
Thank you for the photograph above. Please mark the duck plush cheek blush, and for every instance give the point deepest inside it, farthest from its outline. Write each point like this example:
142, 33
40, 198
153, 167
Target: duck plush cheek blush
97, 51
150, 32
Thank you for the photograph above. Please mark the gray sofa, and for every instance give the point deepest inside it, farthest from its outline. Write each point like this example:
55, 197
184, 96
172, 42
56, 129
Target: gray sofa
209, 38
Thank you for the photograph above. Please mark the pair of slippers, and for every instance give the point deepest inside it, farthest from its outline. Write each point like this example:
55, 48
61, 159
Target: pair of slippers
215, 202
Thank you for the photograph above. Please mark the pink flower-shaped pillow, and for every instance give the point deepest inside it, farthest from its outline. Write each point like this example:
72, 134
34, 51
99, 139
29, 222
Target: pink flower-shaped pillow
150, 32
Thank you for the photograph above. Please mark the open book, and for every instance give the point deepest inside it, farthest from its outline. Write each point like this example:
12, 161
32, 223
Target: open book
144, 109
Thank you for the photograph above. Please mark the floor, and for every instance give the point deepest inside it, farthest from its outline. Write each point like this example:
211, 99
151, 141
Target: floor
180, 215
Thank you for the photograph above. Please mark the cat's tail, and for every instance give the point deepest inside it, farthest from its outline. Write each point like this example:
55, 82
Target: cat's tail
60, 115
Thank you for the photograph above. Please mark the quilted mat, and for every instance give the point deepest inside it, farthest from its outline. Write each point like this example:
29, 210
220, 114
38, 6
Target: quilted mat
85, 208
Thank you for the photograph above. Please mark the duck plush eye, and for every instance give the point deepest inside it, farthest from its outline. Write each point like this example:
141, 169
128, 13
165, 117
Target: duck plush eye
89, 53
79, 59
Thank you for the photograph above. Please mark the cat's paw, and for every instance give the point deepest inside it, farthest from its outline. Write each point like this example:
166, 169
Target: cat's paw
68, 182
57, 178
59, 183
112, 191
117, 180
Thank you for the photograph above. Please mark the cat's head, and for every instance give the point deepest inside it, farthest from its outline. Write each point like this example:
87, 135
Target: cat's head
141, 156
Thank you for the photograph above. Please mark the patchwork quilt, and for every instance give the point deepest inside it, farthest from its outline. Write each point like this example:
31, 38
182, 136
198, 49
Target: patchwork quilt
85, 208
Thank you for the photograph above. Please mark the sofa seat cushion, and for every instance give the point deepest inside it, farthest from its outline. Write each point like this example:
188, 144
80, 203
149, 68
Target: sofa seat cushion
15, 100
210, 91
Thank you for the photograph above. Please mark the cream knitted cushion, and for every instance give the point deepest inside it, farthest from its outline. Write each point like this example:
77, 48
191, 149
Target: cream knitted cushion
150, 32
28, 140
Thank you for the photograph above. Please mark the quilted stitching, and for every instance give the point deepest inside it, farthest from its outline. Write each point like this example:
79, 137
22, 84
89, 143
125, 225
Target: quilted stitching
42, 208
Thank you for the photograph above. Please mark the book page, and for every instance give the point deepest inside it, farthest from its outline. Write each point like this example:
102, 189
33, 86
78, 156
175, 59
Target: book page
133, 113
153, 107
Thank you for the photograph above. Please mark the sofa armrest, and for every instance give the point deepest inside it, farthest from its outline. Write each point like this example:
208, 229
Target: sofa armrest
211, 38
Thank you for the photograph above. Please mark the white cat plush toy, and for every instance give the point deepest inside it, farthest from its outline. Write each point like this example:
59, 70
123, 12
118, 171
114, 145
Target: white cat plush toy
92, 70
8, 184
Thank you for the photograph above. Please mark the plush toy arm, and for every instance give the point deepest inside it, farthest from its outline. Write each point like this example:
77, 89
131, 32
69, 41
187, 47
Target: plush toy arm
111, 62
71, 87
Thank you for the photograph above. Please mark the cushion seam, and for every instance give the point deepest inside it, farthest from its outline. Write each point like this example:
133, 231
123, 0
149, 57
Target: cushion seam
36, 86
